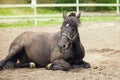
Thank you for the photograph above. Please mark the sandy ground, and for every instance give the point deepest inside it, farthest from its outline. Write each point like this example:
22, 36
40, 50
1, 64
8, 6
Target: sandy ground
101, 41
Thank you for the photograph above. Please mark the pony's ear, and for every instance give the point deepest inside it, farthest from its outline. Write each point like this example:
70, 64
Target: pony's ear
64, 15
78, 16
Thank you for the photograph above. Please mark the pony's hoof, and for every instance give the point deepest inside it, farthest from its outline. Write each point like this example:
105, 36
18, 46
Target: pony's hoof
54, 67
85, 65
49, 66
32, 65
57, 67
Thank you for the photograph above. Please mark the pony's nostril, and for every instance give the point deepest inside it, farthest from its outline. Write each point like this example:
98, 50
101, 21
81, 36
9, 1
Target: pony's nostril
63, 46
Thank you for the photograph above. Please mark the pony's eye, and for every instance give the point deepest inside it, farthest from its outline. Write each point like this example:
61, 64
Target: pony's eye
73, 29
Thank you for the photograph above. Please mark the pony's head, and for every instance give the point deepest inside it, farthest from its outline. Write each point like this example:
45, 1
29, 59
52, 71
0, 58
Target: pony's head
69, 30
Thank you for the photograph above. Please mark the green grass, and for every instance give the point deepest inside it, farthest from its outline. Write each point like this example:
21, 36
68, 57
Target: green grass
51, 22
6, 11
99, 18
28, 23
26, 11
16, 24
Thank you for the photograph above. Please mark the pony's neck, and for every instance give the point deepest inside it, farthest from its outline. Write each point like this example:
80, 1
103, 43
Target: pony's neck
77, 40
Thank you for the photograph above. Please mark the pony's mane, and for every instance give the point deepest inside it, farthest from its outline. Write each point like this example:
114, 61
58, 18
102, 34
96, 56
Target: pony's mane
72, 14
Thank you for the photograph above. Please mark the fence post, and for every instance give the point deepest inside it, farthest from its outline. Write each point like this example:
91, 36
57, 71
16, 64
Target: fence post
77, 7
33, 3
117, 1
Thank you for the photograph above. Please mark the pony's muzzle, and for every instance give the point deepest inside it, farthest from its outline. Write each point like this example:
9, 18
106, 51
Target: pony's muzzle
65, 47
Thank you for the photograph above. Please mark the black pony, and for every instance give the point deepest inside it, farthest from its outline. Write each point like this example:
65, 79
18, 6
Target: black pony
55, 51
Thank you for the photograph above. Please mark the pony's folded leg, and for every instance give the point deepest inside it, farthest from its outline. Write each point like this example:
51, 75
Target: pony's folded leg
59, 64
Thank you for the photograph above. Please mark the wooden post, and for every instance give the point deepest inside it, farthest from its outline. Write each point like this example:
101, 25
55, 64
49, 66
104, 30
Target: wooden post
117, 1
77, 7
33, 3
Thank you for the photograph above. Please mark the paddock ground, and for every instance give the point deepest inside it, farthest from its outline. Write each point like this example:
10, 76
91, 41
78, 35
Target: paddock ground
100, 39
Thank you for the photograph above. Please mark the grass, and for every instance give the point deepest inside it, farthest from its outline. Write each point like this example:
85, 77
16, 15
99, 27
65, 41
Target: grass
99, 18
24, 11
16, 24
6, 11
29, 23
52, 22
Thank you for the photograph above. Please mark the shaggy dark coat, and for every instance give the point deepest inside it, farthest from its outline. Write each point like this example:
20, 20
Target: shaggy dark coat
55, 51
